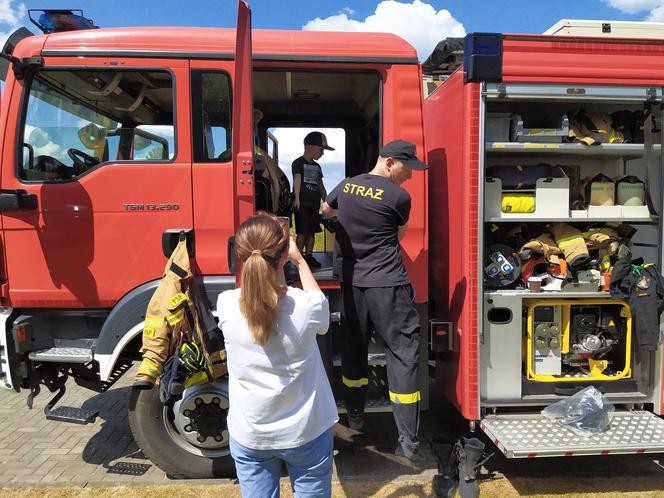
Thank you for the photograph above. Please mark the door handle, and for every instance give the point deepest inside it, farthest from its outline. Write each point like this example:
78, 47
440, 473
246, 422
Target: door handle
171, 237
17, 200
231, 254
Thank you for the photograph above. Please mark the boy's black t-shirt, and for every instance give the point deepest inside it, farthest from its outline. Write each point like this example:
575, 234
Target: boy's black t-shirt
370, 211
311, 174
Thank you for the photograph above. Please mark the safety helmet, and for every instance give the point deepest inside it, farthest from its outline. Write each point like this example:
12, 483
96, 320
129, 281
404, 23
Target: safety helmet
501, 266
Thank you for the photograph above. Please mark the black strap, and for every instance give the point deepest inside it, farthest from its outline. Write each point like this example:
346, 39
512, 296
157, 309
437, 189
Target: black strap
180, 272
586, 121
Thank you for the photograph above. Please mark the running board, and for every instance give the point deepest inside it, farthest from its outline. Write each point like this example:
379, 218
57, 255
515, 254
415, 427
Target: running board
533, 436
373, 359
62, 355
371, 405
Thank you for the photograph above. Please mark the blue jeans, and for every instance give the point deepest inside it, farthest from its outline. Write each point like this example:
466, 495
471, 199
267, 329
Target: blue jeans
309, 467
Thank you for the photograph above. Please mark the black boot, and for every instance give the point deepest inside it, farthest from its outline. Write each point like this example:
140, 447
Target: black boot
469, 452
446, 481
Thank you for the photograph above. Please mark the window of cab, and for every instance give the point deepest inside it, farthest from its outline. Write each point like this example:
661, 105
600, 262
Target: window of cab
77, 120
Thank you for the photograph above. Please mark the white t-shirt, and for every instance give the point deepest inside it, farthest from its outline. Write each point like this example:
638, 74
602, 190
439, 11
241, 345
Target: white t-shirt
279, 393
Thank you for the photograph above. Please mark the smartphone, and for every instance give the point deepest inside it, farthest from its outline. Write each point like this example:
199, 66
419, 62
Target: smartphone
285, 221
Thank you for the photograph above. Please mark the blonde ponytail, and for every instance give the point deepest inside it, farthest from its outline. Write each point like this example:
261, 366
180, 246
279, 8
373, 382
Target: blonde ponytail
260, 242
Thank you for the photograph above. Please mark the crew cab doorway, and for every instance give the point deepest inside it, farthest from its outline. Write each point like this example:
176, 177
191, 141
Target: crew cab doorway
333, 166
344, 105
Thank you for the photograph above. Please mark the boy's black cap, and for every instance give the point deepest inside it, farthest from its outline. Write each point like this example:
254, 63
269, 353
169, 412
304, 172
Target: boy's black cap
403, 151
317, 138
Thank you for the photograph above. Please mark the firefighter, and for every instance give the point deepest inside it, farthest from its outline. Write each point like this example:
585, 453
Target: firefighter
372, 211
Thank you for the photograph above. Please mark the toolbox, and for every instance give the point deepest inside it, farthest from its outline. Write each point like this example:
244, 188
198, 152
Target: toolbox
550, 133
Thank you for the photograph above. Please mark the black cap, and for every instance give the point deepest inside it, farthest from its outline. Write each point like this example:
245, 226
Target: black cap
317, 138
403, 151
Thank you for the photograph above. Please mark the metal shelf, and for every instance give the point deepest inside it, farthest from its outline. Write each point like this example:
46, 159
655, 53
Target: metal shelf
615, 150
546, 294
527, 218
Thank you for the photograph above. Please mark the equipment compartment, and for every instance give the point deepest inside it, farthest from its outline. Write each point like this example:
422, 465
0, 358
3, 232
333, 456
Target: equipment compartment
577, 340
565, 332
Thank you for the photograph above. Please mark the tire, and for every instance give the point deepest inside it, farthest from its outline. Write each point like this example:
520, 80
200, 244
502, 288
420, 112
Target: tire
172, 440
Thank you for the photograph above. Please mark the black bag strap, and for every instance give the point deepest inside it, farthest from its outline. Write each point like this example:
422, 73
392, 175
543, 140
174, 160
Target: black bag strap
585, 120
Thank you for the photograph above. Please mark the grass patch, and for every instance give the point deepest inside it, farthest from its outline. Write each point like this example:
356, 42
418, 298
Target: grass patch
495, 488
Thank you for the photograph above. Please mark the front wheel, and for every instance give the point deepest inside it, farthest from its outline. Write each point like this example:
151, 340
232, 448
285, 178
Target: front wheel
188, 438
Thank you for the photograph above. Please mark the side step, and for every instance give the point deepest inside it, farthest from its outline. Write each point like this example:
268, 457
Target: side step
371, 405
72, 415
68, 413
532, 436
373, 359
62, 354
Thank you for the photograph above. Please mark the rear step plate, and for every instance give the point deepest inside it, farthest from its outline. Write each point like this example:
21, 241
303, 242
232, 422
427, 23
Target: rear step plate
532, 435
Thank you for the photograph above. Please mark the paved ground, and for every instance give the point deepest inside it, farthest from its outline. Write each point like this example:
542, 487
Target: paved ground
36, 451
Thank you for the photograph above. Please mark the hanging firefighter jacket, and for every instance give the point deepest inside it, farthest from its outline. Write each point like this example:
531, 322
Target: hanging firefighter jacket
179, 329
643, 287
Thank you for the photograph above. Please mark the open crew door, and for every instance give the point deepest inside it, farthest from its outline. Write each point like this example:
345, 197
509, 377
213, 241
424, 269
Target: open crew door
243, 126
533, 435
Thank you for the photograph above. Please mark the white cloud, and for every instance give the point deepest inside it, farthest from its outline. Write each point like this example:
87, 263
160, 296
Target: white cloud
419, 23
347, 10
11, 18
655, 8
656, 14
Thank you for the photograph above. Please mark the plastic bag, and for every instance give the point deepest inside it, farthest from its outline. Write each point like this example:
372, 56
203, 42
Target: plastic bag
587, 412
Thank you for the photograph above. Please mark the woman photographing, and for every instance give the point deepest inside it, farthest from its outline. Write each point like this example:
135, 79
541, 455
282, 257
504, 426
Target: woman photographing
281, 404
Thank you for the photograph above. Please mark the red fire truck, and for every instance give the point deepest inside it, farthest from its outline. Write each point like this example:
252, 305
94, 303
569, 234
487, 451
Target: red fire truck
115, 140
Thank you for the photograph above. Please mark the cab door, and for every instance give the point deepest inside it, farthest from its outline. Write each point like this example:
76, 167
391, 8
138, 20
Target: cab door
96, 149
243, 121
223, 147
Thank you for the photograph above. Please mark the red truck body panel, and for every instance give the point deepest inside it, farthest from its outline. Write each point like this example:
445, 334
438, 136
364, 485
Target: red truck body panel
452, 126
453, 150
546, 59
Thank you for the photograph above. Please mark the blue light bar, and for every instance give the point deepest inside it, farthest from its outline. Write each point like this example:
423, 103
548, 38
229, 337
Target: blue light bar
54, 21
483, 57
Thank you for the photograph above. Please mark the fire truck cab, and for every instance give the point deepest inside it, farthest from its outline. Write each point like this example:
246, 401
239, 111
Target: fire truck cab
116, 140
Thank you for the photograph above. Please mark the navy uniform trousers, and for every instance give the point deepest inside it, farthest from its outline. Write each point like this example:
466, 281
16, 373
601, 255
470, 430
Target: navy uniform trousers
389, 311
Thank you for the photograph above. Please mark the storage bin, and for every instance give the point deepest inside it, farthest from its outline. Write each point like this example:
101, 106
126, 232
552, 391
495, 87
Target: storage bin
550, 133
497, 127
630, 191
551, 198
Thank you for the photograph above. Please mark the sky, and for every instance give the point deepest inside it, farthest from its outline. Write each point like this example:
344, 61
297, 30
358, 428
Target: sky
421, 22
